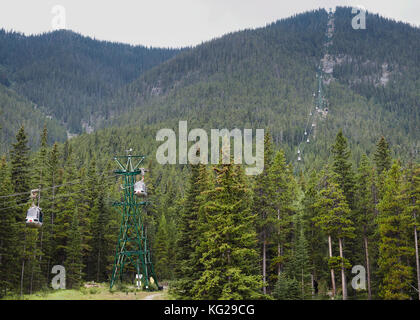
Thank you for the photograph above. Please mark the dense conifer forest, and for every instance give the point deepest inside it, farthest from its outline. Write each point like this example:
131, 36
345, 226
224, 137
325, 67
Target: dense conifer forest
293, 232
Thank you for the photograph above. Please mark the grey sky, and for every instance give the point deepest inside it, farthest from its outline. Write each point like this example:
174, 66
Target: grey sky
175, 23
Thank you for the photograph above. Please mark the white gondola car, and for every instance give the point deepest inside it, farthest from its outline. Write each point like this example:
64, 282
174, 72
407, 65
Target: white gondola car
140, 189
34, 217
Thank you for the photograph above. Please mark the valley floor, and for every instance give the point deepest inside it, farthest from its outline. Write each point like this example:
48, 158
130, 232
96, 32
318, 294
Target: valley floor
99, 292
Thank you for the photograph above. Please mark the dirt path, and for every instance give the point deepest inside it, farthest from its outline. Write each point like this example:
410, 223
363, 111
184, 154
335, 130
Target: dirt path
153, 296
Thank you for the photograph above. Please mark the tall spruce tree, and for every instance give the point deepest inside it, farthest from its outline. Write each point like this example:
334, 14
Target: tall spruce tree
264, 198
334, 219
394, 247
20, 166
382, 156
342, 167
365, 212
73, 251
230, 259
189, 268
283, 187
313, 231
9, 237
299, 265
162, 249
414, 211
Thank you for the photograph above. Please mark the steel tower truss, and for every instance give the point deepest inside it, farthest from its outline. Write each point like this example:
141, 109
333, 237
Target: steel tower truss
132, 247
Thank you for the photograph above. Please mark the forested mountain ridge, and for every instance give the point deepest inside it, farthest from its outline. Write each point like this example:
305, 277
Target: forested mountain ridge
15, 111
265, 78
296, 230
68, 76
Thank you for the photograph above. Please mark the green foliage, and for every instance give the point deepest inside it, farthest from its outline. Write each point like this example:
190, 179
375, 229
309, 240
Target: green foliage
286, 288
394, 224
208, 230
228, 243
382, 156
73, 251
68, 76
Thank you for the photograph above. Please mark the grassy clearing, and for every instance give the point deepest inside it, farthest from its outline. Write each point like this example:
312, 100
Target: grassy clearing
98, 292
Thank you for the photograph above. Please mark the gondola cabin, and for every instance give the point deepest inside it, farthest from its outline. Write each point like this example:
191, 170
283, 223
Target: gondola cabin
34, 217
140, 189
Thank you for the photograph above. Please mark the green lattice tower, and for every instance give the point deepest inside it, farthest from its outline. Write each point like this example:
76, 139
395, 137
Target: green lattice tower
132, 247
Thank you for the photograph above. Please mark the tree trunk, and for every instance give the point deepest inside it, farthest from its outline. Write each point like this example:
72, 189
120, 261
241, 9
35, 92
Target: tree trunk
367, 267
264, 263
303, 287
417, 257
98, 266
278, 246
332, 270
312, 285
343, 275
23, 265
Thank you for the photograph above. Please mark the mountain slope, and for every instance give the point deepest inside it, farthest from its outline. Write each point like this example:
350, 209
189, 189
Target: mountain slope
67, 75
16, 111
265, 78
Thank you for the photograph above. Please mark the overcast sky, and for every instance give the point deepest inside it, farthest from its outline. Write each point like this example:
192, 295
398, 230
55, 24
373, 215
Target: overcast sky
175, 23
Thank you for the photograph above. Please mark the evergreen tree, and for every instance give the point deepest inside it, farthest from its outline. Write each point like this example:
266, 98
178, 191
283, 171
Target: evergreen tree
53, 177
282, 184
287, 288
264, 198
188, 255
9, 243
342, 167
413, 209
20, 166
73, 250
394, 246
313, 231
230, 258
101, 247
162, 249
334, 219
299, 265
382, 156
365, 212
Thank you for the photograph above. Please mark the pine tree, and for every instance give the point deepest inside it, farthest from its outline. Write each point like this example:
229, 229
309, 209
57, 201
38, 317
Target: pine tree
230, 259
40, 181
73, 251
9, 244
100, 244
342, 167
365, 211
382, 156
162, 248
299, 265
414, 211
53, 177
394, 247
66, 202
188, 254
20, 177
282, 185
334, 219
264, 198
287, 288
20, 166
312, 230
